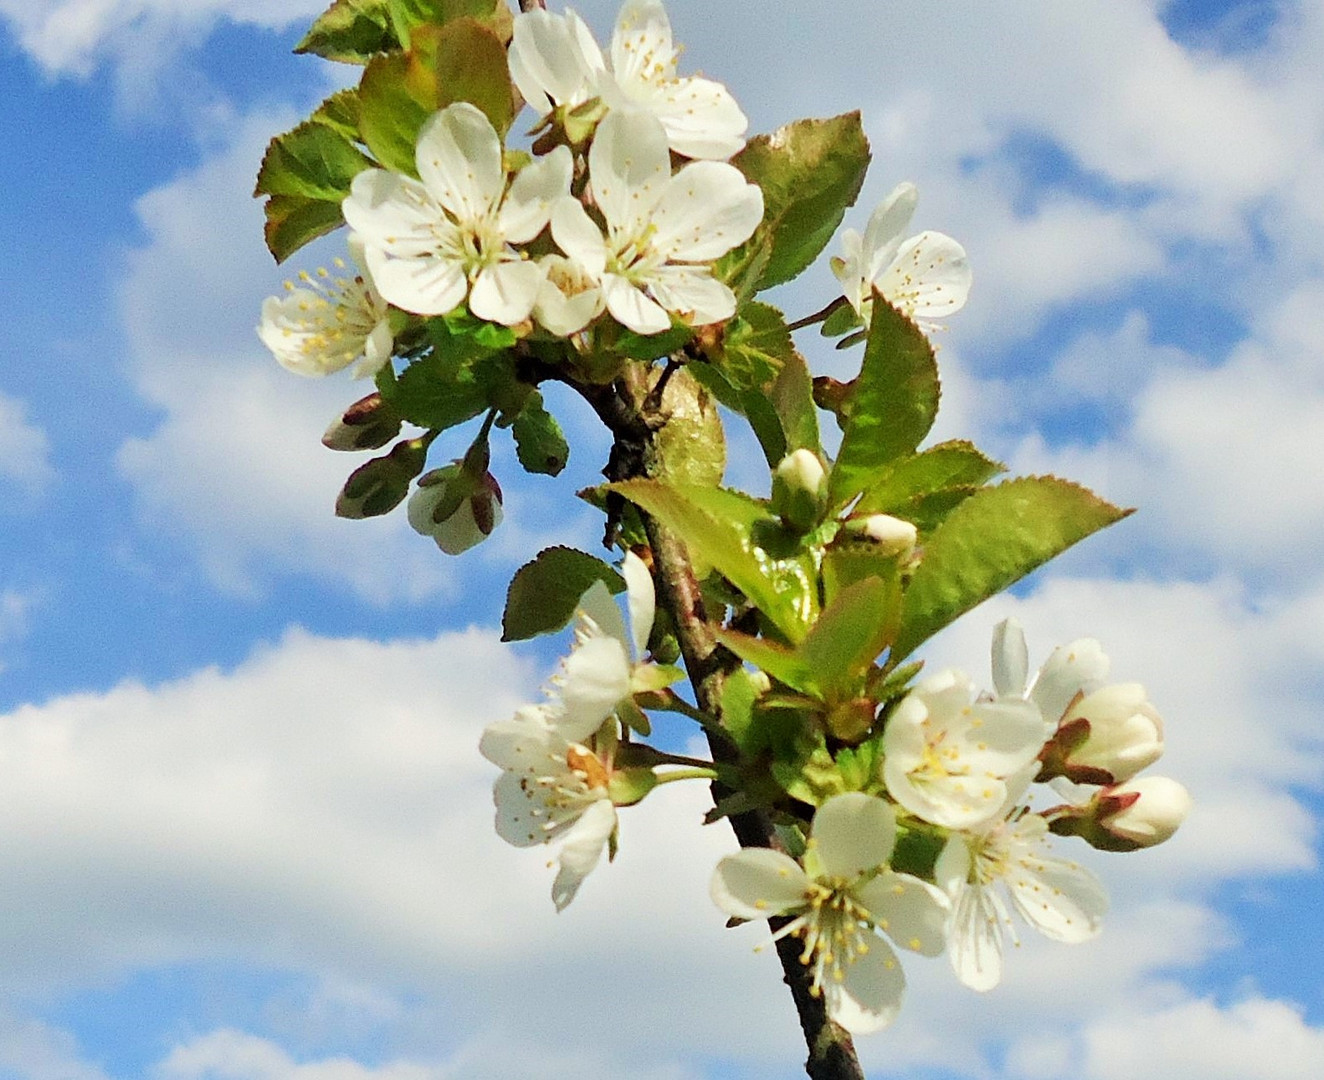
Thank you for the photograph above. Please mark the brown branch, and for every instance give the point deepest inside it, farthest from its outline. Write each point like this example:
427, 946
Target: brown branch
529, 5
831, 1052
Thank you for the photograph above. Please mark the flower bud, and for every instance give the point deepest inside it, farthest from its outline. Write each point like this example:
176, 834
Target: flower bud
892, 535
456, 507
1144, 812
1106, 737
365, 425
799, 490
380, 485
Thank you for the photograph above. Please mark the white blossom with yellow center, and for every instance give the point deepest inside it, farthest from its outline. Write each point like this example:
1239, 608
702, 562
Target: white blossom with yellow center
1009, 856
555, 61
330, 321
926, 276
948, 760
838, 903
434, 242
662, 231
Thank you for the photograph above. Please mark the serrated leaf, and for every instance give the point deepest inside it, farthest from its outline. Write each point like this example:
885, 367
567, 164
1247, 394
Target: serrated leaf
408, 14
539, 442
792, 399
755, 345
545, 592
438, 391
994, 538
893, 403
340, 112
954, 464
810, 172
691, 445
391, 112
462, 60
783, 587
846, 638
293, 221
350, 31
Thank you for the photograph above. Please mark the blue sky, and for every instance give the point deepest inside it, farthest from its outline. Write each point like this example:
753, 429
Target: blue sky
244, 830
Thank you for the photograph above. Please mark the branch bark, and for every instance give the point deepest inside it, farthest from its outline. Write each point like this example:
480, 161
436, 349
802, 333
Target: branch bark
633, 423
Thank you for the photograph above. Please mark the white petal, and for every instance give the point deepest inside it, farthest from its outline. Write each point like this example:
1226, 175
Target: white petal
998, 738
757, 882
505, 292
707, 209
531, 87
536, 187
629, 165
1011, 659
701, 118
596, 679
640, 41
630, 307
975, 942
424, 284
524, 745
459, 160
929, 278
952, 870
376, 350
391, 212
1060, 899
642, 602
1077, 668
576, 234
519, 812
545, 49
853, 833
911, 912
869, 996
461, 531
693, 292
599, 606
582, 850
565, 315
886, 229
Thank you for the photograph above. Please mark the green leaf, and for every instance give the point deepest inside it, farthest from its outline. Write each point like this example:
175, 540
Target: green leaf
545, 592
784, 664
994, 538
391, 112
781, 584
792, 399
539, 442
438, 390
954, 464
340, 112
691, 445
755, 345
847, 637
306, 173
350, 31
810, 172
892, 406
408, 14
462, 60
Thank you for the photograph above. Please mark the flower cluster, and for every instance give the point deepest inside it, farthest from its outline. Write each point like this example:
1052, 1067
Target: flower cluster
958, 769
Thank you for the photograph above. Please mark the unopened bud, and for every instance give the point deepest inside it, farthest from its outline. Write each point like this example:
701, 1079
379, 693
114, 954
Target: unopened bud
1143, 812
365, 425
1106, 737
891, 535
455, 507
381, 484
799, 490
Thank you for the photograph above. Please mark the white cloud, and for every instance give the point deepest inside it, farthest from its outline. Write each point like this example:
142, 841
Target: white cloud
24, 448
31, 1050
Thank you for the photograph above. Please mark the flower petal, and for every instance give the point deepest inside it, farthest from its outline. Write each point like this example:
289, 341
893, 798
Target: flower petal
548, 58
641, 599
641, 47
424, 284
505, 292
707, 209
1011, 659
630, 307
853, 833
930, 276
536, 187
600, 608
391, 212
525, 744
576, 234
596, 678
582, 850
911, 912
974, 946
869, 995
629, 166
693, 292
756, 883
459, 161
701, 118
519, 812
886, 229
1077, 668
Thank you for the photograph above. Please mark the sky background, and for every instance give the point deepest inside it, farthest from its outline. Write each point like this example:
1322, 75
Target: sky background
245, 833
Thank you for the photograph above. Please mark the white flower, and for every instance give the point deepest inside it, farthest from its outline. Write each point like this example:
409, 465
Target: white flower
432, 243
662, 230
1060, 899
843, 893
948, 760
604, 668
926, 276
470, 507
569, 298
555, 61
1069, 673
329, 322
552, 789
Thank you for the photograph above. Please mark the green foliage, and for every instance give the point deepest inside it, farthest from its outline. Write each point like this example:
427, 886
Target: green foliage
691, 445
544, 593
380, 485
350, 31
306, 173
740, 539
994, 538
463, 60
810, 172
539, 442
892, 404
390, 112
755, 346
951, 466
458, 379
406, 15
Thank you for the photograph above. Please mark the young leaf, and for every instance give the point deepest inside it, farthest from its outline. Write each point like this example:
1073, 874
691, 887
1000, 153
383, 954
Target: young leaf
544, 593
539, 442
391, 111
462, 60
954, 464
408, 14
792, 399
691, 445
995, 537
850, 633
810, 172
780, 584
340, 112
438, 390
892, 406
293, 221
784, 664
350, 31
755, 346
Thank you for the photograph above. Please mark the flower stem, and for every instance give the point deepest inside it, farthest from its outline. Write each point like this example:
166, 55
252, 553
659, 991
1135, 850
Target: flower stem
697, 773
